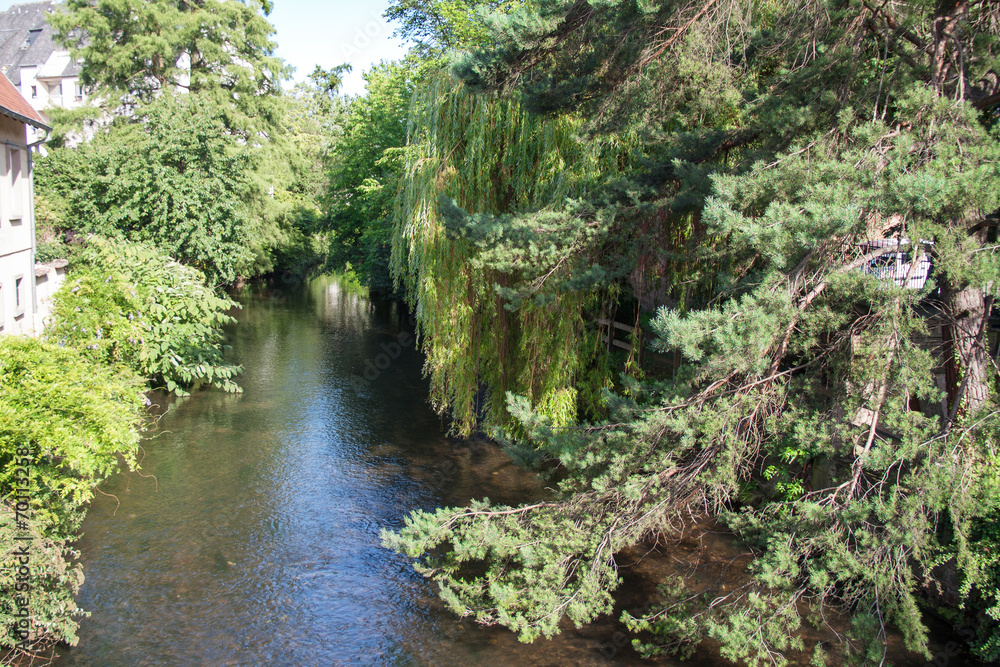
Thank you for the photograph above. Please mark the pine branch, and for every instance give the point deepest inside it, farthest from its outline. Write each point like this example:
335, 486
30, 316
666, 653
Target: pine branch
676, 36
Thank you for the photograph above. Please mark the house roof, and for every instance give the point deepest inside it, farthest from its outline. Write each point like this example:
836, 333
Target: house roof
27, 40
13, 104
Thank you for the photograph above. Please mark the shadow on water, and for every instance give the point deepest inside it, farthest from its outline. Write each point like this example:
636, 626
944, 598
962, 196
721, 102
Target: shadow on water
257, 542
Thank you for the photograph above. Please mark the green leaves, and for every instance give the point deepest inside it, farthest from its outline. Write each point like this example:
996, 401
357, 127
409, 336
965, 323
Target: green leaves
128, 304
171, 176
763, 147
136, 50
66, 423
493, 252
538, 564
363, 170
436, 25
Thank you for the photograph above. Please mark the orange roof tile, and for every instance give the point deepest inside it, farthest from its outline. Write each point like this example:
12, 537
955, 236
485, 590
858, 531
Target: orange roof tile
13, 104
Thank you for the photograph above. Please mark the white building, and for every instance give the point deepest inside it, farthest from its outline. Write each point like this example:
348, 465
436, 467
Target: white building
44, 72
19, 305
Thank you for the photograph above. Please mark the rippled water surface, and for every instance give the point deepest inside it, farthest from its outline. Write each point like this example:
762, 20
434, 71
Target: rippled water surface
254, 536
251, 536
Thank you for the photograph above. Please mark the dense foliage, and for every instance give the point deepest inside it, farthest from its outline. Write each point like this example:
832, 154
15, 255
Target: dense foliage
773, 160
199, 173
486, 154
172, 176
195, 146
434, 26
364, 167
66, 423
131, 305
134, 50
767, 179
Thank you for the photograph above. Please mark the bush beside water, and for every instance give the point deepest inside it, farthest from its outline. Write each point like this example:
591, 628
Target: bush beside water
71, 406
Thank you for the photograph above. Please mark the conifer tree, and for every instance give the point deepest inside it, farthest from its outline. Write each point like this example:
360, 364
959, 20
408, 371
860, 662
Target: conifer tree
494, 308
796, 147
131, 50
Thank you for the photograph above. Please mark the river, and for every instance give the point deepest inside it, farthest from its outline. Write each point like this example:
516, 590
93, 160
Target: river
251, 534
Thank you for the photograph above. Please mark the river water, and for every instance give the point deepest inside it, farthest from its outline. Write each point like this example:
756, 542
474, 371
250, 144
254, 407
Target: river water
251, 536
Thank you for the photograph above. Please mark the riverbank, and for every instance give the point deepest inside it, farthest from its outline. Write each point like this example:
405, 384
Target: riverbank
252, 534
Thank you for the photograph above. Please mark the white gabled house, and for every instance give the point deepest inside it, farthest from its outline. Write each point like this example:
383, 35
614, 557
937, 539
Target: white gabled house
19, 304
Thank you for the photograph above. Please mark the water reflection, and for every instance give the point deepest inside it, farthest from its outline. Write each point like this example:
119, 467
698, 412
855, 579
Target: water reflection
258, 540
255, 539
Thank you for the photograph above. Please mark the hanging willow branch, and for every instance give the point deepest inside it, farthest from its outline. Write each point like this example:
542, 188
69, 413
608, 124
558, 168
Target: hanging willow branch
487, 155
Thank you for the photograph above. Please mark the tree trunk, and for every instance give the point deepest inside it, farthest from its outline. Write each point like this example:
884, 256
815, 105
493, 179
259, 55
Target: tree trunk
967, 365
946, 18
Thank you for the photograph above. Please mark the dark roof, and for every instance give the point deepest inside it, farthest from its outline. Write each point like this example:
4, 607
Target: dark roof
13, 104
27, 39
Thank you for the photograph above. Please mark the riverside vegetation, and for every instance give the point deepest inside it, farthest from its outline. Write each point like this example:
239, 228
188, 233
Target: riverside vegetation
714, 171
724, 166
174, 198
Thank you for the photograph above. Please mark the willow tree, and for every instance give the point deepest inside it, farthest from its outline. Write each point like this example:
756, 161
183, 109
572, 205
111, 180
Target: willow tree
845, 134
493, 309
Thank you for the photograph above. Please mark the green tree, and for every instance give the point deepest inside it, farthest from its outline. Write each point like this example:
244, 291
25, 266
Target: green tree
437, 25
170, 175
132, 51
131, 305
327, 83
494, 306
778, 141
288, 175
316, 120
364, 167
66, 424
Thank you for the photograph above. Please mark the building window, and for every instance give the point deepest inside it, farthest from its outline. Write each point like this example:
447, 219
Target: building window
19, 298
34, 91
32, 36
16, 187
2, 319
79, 91
60, 88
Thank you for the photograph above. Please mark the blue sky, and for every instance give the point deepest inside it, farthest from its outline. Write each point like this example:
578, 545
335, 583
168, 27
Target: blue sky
332, 32
329, 33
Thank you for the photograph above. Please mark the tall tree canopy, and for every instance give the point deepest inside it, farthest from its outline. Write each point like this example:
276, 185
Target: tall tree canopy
437, 25
221, 48
363, 170
487, 155
784, 152
206, 155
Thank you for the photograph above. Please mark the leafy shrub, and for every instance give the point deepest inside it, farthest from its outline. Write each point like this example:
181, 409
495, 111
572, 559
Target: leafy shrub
170, 175
65, 425
981, 587
46, 251
49, 228
130, 304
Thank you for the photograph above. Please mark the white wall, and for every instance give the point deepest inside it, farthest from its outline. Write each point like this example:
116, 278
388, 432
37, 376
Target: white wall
48, 278
17, 233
